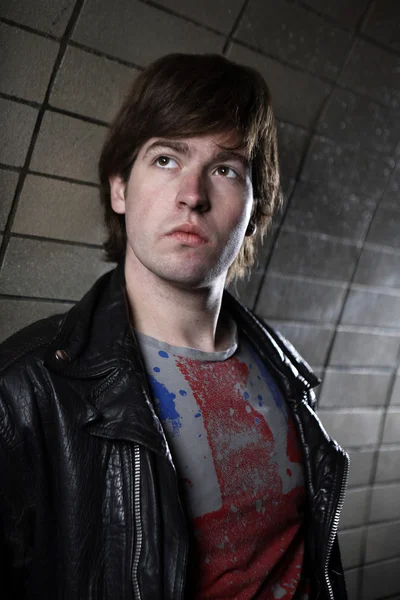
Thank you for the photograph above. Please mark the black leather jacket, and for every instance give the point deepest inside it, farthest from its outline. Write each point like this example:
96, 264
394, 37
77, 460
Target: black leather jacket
89, 500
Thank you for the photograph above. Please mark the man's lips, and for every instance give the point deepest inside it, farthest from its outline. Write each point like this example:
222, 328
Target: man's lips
188, 234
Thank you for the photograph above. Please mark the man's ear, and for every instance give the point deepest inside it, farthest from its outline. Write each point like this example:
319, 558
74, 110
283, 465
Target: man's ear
117, 191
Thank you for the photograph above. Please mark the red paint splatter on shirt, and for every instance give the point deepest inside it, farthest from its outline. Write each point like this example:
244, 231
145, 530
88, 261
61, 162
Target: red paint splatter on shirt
252, 546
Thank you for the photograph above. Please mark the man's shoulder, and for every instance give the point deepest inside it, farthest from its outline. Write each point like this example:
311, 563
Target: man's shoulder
28, 345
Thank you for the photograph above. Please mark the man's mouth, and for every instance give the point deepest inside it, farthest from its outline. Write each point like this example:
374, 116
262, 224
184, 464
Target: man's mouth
189, 235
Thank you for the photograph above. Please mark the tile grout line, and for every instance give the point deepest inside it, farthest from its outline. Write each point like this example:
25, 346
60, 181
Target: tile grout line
173, 13
235, 27
53, 240
23, 27
23, 173
45, 300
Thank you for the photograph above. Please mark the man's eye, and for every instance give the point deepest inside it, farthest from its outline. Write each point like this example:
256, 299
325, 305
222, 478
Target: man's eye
165, 162
226, 172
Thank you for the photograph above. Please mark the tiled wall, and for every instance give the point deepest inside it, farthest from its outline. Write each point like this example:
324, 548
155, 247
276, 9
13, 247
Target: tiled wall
329, 273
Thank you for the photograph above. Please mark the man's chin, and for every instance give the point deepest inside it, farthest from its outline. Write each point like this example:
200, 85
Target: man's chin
192, 279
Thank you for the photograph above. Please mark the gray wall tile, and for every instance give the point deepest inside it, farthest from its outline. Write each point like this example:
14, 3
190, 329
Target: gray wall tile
357, 120
61, 210
50, 16
353, 427
372, 308
91, 85
385, 228
352, 576
346, 13
296, 96
292, 142
16, 314
290, 298
246, 289
8, 183
17, 122
329, 209
379, 267
381, 580
68, 147
392, 192
354, 508
295, 35
395, 399
311, 341
350, 547
391, 433
50, 269
125, 33
312, 256
383, 23
383, 541
361, 172
388, 468
355, 388
361, 463
354, 347
385, 503
26, 63
373, 72
217, 14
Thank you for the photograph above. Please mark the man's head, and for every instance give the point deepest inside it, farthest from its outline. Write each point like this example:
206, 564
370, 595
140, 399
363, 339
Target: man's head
189, 96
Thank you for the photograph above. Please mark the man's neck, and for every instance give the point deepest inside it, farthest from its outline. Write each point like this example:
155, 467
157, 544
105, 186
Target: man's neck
177, 315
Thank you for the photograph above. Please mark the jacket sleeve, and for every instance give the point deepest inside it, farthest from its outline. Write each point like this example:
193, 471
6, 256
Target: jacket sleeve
16, 512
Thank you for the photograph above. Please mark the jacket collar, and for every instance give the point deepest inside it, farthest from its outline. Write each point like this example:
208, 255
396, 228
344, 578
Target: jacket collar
95, 335
294, 372
96, 350
95, 343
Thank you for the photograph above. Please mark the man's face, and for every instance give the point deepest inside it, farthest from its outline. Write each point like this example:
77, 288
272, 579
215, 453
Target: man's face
187, 205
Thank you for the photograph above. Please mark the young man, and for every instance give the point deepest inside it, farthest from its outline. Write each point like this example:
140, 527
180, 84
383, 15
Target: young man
159, 441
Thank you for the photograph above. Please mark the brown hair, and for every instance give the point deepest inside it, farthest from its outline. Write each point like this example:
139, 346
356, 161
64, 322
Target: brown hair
184, 95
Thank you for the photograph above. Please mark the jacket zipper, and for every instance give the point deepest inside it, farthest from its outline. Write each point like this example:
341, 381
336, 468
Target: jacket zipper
138, 523
334, 528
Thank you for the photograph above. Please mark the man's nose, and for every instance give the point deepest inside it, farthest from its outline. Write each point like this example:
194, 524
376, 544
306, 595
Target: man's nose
193, 192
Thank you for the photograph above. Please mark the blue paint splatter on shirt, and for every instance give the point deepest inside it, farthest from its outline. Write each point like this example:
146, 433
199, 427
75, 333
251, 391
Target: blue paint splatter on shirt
183, 392
197, 415
156, 369
269, 380
166, 405
163, 354
246, 395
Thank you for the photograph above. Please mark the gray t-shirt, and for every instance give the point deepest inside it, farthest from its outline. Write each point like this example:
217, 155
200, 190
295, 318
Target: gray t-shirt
236, 451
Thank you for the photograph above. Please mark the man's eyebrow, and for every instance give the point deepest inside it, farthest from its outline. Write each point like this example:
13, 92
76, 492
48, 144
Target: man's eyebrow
180, 147
232, 155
